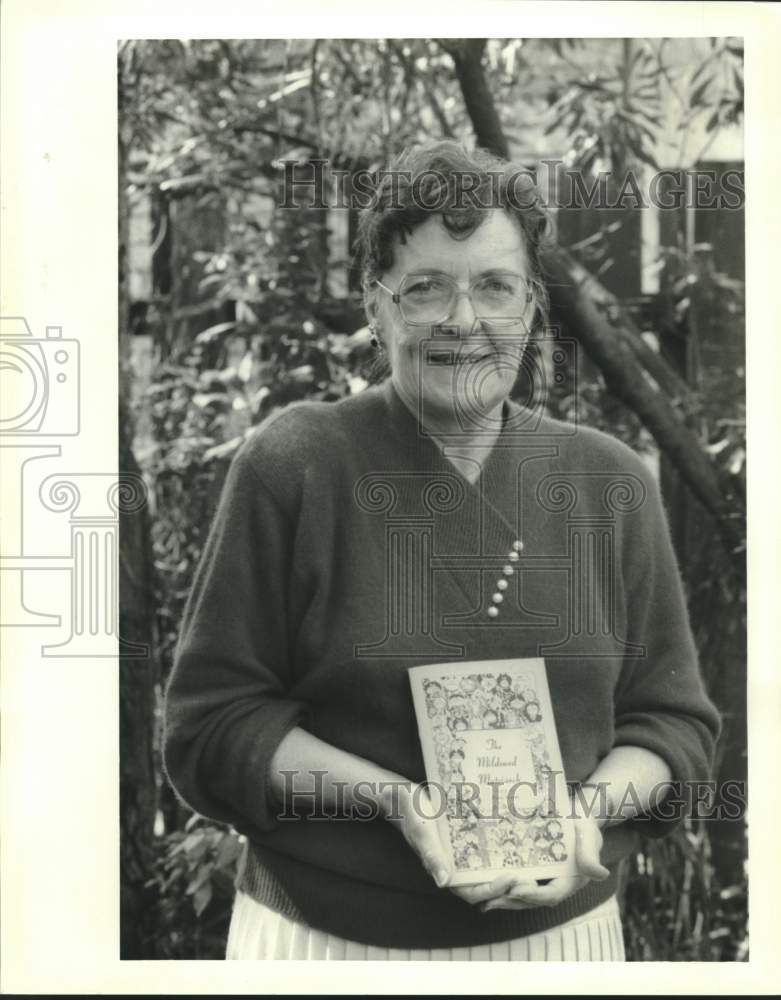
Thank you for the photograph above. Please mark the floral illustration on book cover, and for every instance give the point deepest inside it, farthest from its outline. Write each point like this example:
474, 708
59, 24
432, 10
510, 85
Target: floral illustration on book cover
488, 731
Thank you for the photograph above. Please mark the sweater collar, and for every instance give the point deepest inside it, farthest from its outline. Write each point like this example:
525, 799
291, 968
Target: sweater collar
420, 445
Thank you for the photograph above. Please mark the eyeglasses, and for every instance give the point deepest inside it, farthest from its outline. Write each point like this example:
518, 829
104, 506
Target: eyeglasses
428, 299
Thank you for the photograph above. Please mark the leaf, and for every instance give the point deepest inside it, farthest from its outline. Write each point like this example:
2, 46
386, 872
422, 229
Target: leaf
210, 279
245, 313
696, 99
304, 373
717, 447
202, 898
228, 851
713, 121
202, 875
654, 119
206, 336
204, 399
222, 450
646, 132
556, 123
244, 368
737, 462
681, 307
260, 396
176, 183
197, 850
192, 841
640, 153
703, 67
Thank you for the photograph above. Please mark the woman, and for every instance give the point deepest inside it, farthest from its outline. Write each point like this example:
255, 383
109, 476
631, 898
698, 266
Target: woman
429, 518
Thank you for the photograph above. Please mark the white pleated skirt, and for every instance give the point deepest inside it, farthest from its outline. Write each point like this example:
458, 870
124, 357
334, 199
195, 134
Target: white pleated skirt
259, 933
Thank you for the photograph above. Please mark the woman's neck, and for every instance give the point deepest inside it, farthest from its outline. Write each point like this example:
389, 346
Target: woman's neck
465, 447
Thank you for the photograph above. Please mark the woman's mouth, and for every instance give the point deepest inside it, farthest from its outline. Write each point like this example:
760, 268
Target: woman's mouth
442, 357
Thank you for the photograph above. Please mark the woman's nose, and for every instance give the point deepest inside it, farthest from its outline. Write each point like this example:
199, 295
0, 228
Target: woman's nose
462, 314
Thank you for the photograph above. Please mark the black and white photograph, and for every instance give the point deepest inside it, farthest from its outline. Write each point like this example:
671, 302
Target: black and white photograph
378, 531
434, 353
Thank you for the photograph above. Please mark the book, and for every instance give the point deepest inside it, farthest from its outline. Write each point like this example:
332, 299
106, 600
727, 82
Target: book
494, 768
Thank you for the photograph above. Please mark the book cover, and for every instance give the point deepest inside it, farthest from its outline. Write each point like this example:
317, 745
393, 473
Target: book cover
494, 768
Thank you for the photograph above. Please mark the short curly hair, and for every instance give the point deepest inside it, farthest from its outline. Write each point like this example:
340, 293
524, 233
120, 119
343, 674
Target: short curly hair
444, 178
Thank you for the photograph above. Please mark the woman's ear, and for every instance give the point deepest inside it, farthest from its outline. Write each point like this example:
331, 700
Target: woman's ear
530, 316
370, 304
538, 318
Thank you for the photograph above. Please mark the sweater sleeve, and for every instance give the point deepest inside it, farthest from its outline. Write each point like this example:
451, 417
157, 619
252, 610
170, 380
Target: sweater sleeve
227, 702
661, 703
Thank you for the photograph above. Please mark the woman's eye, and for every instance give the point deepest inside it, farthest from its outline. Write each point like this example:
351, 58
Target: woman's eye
424, 286
496, 286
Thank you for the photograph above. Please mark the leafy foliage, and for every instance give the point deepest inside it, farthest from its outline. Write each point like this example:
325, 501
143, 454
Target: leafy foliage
613, 112
200, 418
193, 881
675, 909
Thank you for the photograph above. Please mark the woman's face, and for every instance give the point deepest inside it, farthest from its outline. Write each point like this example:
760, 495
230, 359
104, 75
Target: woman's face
465, 364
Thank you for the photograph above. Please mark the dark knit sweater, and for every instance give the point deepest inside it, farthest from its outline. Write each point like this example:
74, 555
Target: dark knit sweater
293, 619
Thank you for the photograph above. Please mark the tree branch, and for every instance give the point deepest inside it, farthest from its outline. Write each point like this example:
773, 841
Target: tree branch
585, 305
467, 56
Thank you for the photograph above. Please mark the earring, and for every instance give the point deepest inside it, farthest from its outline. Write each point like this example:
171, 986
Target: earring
374, 339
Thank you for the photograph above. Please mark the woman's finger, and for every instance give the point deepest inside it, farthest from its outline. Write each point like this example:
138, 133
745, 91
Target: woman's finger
506, 903
528, 894
513, 898
423, 836
485, 890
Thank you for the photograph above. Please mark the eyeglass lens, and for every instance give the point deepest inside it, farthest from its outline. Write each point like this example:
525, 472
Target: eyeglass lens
430, 298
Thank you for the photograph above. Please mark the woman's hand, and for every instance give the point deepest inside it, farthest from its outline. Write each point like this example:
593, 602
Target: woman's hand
406, 806
514, 892
528, 893
403, 803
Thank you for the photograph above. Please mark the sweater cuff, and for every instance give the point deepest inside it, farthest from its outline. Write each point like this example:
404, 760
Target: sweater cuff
671, 800
241, 762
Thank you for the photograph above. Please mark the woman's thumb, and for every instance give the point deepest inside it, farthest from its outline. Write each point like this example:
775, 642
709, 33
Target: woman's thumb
588, 844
